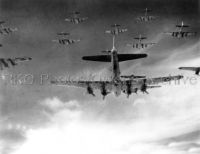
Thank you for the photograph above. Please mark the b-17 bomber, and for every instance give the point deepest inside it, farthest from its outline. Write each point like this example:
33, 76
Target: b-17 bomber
6, 30
7, 62
116, 84
75, 18
116, 30
65, 40
180, 33
140, 44
146, 17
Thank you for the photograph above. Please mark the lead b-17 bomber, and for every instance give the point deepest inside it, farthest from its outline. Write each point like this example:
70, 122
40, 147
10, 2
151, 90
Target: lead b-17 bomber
140, 44
65, 40
180, 33
116, 84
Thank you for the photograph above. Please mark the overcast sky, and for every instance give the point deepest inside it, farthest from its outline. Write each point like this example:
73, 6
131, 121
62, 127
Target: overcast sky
38, 119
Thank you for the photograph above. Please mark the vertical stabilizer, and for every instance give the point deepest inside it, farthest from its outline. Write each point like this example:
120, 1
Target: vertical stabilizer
113, 48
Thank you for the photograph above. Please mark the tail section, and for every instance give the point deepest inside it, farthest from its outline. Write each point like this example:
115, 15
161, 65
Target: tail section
113, 48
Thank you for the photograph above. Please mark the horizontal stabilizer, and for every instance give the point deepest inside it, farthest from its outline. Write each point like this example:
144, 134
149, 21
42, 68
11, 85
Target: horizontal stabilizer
181, 26
121, 57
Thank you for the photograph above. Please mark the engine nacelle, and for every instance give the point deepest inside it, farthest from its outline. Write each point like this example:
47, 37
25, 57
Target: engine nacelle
128, 90
90, 90
104, 91
143, 87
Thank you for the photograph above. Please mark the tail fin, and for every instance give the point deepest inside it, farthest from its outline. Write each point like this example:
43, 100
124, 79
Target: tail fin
113, 48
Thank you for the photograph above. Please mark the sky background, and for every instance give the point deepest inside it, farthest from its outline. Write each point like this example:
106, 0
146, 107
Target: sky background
38, 119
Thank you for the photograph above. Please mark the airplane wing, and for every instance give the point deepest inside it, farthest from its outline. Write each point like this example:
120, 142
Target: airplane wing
134, 85
122, 30
100, 58
195, 69
121, 57
125, 57
104, 86
115, 25
190, 33
63, 33
181, 26
84, 18
21, 59
158, 80
82, 84
149, 44
153, 17
2, 22
168, 33
132, 76
139, 19
108, 31
67, 19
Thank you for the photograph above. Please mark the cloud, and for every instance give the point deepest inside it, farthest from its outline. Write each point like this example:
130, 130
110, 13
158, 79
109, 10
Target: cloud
55, 104
157, 120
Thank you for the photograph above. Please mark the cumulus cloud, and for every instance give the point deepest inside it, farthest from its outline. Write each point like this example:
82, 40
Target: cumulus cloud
158, 124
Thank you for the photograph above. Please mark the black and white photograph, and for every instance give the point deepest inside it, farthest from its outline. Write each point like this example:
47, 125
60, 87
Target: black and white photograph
99, 76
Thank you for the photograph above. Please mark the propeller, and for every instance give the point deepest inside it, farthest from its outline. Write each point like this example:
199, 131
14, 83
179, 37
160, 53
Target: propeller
144, 86
90, 90
104, 91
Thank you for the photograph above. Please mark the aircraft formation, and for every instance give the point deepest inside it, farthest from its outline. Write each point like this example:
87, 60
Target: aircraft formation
10, 62
118, 83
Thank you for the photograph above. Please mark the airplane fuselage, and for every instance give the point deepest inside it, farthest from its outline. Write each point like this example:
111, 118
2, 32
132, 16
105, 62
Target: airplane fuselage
115, 73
